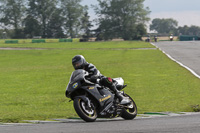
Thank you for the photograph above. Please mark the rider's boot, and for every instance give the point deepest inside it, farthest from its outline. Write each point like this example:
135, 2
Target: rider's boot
123, 100
109, 83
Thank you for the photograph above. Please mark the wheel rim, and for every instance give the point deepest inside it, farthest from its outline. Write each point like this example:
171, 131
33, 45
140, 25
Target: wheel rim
88, 111
132, 107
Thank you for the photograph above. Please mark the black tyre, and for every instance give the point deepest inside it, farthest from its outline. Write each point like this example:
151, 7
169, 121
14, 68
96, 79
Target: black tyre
129, 113
87, 114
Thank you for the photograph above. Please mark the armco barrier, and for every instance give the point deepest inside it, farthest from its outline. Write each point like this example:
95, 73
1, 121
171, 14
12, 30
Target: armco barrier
51, 40
25, 41
65, 40
11, 41
188, 38
76, 40
38, 41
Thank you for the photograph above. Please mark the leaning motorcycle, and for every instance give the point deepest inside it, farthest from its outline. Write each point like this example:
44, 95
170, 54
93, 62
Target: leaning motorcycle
92, 101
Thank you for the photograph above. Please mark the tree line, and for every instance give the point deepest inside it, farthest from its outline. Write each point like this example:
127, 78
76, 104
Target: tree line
46, 18
68, 18
124, 19
170, 26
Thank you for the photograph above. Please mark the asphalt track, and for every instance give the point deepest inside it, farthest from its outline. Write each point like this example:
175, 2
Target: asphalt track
185, 53
164, 124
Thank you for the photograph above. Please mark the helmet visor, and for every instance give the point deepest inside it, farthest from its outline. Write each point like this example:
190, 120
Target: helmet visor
78, 64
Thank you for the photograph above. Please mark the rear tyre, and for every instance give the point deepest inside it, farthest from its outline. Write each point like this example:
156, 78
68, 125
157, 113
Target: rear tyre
131, 112
84, 112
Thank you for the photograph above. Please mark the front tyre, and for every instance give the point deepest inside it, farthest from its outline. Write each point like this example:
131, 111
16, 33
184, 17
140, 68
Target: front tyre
84, 112
130, 112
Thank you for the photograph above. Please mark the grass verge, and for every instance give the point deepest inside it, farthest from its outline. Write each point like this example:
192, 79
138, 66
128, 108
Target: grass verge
83, 45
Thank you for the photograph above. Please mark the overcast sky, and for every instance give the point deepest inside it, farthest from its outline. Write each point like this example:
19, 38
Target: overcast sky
186, 12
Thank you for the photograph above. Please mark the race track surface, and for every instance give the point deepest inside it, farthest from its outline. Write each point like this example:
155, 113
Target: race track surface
164, 124
187, 53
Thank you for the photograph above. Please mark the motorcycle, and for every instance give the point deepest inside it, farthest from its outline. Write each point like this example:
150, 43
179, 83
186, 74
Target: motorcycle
92, 101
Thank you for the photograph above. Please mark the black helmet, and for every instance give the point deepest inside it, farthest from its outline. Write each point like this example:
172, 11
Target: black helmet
78, 62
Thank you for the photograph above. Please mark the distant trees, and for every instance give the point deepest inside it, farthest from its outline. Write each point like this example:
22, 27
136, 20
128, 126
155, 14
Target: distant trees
40, 14
170, 26
46, 18
73, 12
186, 30
43, 11
164, 26
85, 26
55, 26
124, 19
68, 18
121, 18
12, 15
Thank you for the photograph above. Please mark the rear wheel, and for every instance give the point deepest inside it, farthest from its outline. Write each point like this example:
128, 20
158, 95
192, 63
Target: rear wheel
130, 112
82, 109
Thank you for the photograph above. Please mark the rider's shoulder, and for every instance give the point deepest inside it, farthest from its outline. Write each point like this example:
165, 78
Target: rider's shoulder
90, 65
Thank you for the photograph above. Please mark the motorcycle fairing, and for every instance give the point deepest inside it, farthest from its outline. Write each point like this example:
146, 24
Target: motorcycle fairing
103, 96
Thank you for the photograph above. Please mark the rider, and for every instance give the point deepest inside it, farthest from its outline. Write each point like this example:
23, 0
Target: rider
79, 62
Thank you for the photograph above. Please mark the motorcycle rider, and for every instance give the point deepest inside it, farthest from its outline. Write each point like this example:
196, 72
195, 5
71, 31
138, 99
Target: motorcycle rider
95, 76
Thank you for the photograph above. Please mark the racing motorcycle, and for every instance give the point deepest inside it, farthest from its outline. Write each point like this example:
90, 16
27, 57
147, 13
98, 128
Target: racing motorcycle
92, 101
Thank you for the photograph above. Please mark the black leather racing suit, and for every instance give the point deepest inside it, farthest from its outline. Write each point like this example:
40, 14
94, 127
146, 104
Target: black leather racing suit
93, 72
96, 77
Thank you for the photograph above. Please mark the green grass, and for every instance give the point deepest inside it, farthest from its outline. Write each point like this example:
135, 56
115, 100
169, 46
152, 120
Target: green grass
33, 82
83, 45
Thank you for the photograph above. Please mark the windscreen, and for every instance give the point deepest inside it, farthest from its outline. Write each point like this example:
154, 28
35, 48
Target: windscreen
77, 75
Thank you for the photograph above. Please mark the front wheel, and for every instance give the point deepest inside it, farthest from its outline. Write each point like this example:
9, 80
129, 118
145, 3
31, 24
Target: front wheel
130, 112
84, 112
